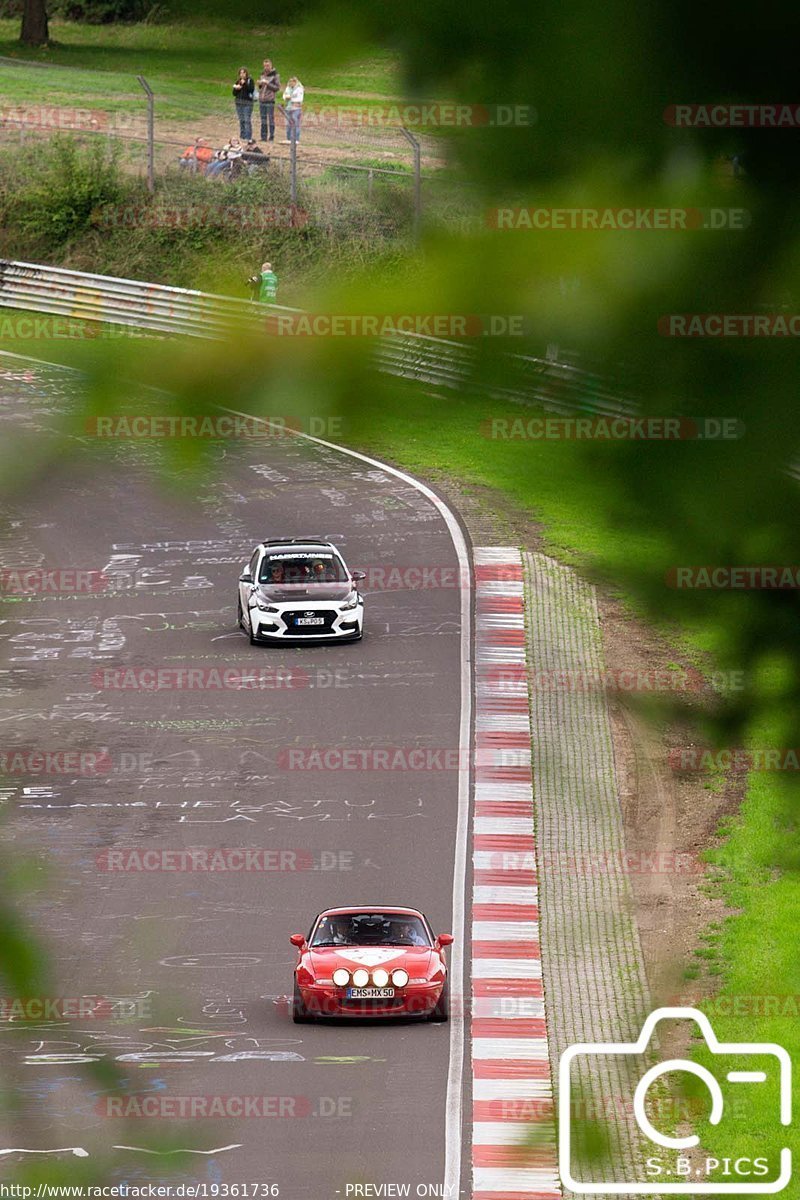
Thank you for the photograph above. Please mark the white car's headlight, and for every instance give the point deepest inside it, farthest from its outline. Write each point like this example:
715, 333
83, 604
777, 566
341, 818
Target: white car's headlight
341, 977
350, 602
266, 607
400, 978
361, 977
380, 977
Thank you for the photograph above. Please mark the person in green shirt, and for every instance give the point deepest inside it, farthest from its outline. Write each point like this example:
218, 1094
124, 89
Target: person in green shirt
268, 284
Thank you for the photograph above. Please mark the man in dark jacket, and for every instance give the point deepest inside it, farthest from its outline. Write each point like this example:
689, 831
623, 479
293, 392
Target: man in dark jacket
269, 84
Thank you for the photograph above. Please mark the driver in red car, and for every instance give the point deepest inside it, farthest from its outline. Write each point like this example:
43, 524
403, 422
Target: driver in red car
410, 933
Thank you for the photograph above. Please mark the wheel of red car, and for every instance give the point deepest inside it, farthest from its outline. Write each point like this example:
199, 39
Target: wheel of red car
442, 1010
300, 1014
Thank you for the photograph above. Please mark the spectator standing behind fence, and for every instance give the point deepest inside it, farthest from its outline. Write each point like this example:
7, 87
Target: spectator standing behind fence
269, 84
243, 90
293, 96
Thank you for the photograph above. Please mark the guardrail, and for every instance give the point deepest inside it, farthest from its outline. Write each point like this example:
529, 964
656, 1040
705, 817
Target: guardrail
557, 386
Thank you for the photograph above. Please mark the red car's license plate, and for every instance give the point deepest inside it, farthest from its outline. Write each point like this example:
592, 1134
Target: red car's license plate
370, 993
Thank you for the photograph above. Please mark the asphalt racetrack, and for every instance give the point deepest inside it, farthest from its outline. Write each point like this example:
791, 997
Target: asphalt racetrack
203, 957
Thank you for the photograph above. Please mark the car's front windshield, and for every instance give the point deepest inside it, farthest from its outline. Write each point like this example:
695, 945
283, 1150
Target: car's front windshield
293, 567
370, 929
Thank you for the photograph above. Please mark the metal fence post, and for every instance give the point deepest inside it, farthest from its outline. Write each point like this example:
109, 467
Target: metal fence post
293, 169
151, 134
417, 180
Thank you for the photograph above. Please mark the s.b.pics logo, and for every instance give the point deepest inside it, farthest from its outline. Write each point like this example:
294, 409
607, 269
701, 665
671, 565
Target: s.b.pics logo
730, 1095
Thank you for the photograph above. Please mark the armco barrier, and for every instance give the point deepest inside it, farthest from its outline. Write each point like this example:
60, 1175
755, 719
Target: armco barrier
556, 386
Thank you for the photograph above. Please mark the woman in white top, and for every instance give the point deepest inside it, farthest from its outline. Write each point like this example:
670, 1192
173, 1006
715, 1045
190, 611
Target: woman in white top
293, 108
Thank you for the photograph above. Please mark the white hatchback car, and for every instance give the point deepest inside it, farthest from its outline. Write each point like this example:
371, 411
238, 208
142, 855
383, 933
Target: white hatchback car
299, 589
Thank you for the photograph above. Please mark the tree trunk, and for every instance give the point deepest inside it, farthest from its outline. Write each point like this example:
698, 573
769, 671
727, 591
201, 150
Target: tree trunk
34, 23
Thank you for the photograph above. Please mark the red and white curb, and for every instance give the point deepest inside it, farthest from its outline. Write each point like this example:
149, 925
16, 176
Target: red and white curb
511, 1082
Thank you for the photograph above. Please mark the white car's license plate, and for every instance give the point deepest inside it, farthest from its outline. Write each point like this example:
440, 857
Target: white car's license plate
370, 993
310, 621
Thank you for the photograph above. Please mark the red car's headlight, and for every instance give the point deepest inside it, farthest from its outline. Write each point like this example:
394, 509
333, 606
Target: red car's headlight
400, 977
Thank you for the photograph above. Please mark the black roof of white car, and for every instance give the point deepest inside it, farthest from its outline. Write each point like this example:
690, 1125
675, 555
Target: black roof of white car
306, 541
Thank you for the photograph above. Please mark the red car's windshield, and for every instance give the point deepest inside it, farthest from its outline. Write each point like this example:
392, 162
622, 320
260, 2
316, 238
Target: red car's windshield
370, 929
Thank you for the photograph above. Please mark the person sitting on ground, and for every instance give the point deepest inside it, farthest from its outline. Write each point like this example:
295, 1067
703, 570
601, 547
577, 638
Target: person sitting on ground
224, 159
254, 157
196, 157
204, 154
188, 160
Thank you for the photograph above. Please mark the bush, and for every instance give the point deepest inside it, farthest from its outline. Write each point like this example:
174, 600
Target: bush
49, 194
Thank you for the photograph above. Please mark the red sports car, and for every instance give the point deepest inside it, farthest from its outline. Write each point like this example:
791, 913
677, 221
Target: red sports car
370, 962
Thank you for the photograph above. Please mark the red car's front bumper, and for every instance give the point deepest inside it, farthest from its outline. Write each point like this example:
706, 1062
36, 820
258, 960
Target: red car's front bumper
327, 1000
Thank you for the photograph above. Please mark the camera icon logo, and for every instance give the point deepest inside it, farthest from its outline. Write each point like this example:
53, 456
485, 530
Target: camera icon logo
687, 1184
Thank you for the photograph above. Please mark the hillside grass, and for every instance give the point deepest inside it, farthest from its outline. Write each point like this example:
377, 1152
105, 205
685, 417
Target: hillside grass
197, 58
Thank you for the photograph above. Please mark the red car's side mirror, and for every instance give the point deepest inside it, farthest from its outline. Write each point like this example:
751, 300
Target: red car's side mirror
298, 939
445, 939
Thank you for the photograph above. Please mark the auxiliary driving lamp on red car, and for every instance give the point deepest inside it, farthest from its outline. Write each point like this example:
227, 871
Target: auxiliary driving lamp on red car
371, 962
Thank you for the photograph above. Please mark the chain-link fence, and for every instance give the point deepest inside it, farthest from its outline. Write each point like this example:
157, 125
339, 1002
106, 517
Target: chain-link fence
361, 145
